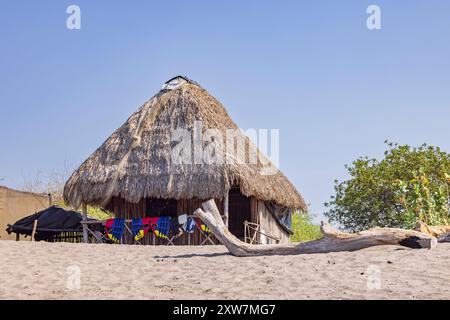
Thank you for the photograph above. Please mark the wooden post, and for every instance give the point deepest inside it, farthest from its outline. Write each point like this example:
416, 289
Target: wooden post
245, 231
33, 231
85, 230
225, 209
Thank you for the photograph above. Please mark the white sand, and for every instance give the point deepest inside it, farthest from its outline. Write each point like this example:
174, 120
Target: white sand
40, 271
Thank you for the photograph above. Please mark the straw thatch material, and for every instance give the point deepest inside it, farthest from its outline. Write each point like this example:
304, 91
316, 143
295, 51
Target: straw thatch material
135, 162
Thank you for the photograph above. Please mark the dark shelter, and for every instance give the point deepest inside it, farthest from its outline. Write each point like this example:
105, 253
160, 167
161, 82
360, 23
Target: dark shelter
53, 224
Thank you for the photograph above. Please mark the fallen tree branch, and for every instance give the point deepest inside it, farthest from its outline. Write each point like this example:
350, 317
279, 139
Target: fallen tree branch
332, 241
442, 233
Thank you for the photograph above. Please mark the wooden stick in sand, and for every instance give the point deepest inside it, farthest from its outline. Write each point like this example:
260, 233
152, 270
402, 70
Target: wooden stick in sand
33, 231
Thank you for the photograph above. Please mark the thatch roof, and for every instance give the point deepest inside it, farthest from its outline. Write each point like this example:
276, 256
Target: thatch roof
135, 162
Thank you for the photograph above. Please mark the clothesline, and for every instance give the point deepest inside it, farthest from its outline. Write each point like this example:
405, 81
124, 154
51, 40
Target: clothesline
126, 220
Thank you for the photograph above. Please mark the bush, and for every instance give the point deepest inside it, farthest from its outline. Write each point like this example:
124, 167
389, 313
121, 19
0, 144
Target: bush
92, 212
304, 229
408, 185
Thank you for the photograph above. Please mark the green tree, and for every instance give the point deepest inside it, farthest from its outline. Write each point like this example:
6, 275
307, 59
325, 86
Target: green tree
304, 229
408, 185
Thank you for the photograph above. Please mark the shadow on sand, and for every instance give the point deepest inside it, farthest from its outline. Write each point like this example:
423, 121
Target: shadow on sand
193, 255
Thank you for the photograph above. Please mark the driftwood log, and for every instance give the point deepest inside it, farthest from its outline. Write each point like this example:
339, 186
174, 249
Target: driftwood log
332, 241
442, 233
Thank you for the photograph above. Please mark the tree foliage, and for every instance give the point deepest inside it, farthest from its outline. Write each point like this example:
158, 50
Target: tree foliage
304, 229
408, 185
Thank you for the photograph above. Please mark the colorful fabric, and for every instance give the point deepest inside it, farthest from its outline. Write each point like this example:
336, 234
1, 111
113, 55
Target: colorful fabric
163, 227
174, 226
153, 221
202, 226
108, 225
148, 222
136, 225
114, 229
189, 226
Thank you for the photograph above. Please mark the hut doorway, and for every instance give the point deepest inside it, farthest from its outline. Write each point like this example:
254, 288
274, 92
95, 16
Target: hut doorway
239, 211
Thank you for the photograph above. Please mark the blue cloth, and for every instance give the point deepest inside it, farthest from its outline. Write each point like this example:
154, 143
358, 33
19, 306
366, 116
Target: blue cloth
163, 225
118, 228
282, 214
136, 225
189, 226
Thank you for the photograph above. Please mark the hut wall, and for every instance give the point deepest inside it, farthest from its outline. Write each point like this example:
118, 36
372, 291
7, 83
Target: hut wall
267, 223
237, 214
15, 205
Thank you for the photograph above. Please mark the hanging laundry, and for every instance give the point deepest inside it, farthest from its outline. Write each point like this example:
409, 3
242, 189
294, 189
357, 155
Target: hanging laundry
202, 226
149, 223
153, 222
136, 225
175, 227
189, 226
182, 219
108, 225
114, 229
163, 227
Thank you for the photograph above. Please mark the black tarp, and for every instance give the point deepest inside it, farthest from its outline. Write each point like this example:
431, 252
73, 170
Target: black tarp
50, 222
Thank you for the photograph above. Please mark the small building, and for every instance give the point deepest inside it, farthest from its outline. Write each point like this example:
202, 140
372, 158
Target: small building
15, 205
174, 153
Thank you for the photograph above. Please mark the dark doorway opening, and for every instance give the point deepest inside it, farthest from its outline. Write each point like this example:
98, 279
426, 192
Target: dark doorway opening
239, 207
161, 207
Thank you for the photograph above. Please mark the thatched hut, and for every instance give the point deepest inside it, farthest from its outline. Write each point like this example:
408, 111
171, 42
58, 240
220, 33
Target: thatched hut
137, 172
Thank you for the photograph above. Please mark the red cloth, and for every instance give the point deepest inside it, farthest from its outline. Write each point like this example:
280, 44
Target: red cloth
150, 222
108, 225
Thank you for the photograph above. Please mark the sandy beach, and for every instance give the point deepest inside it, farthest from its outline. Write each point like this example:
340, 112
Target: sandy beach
42, 270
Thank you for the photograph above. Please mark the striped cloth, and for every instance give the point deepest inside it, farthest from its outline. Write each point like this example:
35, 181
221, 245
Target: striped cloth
163, 227
114, 229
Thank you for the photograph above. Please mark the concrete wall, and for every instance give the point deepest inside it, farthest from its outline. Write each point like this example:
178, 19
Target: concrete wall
15, 205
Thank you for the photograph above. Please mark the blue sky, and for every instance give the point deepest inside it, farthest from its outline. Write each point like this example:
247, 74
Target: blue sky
335, 89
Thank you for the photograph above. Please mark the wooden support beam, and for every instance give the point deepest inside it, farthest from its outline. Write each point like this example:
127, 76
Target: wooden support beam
332, 241
85, 230
225, 209
33, 231
93, 234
